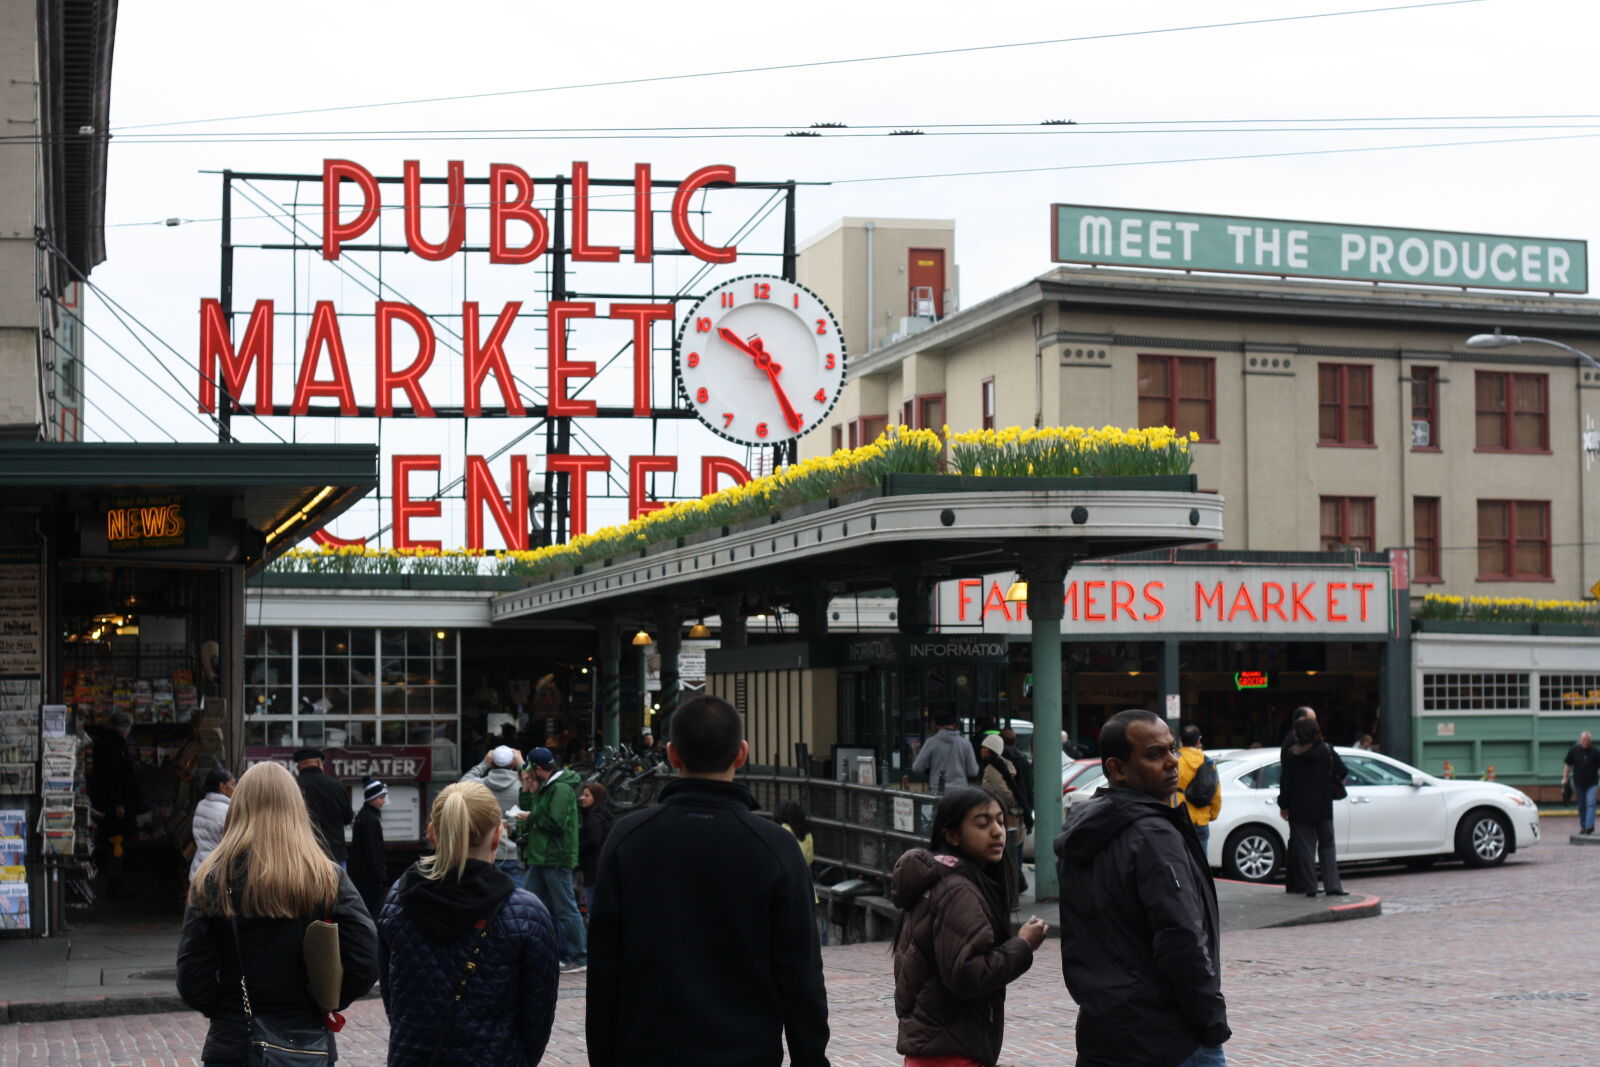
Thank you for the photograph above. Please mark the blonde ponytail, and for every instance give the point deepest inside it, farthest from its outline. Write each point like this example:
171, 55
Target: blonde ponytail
462, 818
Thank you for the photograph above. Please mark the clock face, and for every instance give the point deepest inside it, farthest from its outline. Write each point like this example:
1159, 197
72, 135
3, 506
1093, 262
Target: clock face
760, 360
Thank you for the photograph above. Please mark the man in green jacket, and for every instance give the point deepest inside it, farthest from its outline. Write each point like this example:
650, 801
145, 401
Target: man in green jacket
550, 852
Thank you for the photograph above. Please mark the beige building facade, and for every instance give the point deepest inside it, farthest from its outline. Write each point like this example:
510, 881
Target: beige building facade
1330, 415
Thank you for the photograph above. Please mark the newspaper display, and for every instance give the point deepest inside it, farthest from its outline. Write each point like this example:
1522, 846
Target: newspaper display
21, 631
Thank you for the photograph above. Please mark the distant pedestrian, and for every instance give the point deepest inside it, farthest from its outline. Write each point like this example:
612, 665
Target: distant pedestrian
703, 948
1305, 800
1070, 748
210, 815
945, 757
954, 953
1139, 925
999, 777
1292, 873
369, 866
498, 771
1203, 808
1364, 743
251, 901
1302, 712
792, 817
550, 852
118, 798
596, 818
327, 800
468, 959
1582, 769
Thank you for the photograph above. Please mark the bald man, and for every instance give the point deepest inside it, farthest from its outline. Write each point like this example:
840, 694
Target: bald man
1583, 769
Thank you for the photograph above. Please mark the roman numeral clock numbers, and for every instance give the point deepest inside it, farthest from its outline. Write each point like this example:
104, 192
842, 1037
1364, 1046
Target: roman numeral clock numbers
766, 363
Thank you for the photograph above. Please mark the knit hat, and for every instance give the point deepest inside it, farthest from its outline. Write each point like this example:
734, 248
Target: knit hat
373, 790
503, 756
993, 743
307, 754
542, 757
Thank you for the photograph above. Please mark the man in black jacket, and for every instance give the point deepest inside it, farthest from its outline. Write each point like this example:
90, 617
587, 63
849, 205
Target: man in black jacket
702, 940
327, 800
1139, 923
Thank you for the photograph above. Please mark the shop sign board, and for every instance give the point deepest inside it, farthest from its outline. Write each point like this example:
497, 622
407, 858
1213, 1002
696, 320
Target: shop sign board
404, 763
1165, 598
170, 520
929, 648
1141, 237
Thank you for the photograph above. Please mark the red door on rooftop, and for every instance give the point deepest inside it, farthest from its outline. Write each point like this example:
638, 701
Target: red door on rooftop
925, 270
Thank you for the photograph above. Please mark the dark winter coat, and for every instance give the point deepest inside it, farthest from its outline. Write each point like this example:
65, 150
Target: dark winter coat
369, 868
115, 784
1305, 790
592, 833
1139, 933
703, 939
208, 970
428, 930
329, 803
953, 959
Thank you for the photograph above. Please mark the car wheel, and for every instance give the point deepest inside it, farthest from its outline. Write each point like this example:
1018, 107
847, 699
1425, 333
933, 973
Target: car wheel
1252, 854
1483, 839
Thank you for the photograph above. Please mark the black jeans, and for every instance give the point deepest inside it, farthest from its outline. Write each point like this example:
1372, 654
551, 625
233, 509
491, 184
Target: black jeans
1308, 842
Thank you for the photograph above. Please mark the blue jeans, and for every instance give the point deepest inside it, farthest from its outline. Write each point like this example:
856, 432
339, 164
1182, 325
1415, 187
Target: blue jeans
1206, 1056
553, 886
1585, 807
1204, 834
513, 868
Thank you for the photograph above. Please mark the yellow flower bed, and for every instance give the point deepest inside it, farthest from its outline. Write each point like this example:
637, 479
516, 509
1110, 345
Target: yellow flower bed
1507, 609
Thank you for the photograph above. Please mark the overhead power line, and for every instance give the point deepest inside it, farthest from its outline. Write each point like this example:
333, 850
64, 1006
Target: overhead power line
808, 65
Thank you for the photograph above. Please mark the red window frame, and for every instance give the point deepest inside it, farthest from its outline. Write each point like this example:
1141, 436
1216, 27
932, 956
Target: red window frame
1425, 405
1352, 391
1174, 397
916, 410
1508, 414
986, 404
1426, 565
836, 437
865, 430
1507, 547
1341, 537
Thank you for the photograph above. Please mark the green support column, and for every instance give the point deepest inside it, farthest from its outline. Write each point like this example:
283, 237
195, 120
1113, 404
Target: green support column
1046, 589
610, 664
1171, 691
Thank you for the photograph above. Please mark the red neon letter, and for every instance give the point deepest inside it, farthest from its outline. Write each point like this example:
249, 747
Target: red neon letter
680, 214
477, 360
410, 379
1201, 600
518, 207
642, 315
456, 191
560, 368
1362, 589
644, 239
324, 333
963, 597
639, 467
215, 344
1243, 602
996, 601
713, 466
582, 250
1299, 597
323, 537
334, 232
481, 490
1152, 596
578, 495
405, 509
1272, 601
1121, 602
1089, 612
1333, 603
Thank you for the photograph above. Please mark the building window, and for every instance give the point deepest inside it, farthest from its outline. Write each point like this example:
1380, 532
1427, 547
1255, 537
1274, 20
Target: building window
906, 408
865, 430
1425, 566
1513, 540
1569, 692
930, 412
988, 404
836, 437
1513, 412
1425, 407
1347, 523
1466, 691
1344, 404
1179, 392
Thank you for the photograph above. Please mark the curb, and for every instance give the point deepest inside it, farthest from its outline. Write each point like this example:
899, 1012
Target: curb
1358, 908
49, 1011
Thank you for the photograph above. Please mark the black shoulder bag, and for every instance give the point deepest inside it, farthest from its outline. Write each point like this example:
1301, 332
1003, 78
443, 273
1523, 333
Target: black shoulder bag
1335, 779
269, 1045
461, 986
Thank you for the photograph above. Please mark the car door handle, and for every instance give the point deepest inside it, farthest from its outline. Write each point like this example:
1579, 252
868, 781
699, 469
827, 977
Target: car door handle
1361, 800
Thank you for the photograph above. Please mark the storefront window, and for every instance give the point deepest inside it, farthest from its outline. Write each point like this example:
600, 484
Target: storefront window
1569, 692
1465, 691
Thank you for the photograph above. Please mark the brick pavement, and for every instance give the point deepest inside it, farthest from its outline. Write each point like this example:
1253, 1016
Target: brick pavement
1465, 968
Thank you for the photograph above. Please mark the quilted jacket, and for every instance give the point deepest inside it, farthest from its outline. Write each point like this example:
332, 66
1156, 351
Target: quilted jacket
209, 816
427, 932
953, 959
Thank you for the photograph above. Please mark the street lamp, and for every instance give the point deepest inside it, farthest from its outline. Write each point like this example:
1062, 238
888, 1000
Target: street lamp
1505, 340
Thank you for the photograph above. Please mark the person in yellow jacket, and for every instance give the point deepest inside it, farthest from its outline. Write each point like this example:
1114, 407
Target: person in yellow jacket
1190, 757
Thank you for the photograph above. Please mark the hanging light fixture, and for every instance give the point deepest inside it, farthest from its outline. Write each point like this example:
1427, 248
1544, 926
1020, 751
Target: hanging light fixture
699, 631
642, 639
1018, 591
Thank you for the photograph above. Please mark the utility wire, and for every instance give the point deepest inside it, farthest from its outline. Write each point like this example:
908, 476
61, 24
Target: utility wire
810, 65
115, 392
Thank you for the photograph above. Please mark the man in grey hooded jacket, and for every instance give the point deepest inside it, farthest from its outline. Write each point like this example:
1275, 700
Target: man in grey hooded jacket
946, 757
498, 771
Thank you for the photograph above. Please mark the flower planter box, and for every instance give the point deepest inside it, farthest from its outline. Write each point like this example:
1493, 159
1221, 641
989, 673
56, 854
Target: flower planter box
915, 484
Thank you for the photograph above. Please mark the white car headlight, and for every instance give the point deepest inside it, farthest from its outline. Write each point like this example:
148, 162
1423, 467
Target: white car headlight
1520, 799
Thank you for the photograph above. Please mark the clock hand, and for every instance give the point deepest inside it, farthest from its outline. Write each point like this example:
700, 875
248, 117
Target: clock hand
764, 361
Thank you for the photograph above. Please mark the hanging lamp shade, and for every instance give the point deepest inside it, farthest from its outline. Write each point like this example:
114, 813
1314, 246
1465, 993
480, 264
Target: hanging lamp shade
641, 639
699, 631
1018, 592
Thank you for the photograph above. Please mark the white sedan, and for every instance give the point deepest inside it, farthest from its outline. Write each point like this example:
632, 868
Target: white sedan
1393, 811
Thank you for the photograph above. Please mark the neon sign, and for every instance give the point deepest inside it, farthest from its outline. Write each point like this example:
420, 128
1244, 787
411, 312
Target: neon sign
1250, 679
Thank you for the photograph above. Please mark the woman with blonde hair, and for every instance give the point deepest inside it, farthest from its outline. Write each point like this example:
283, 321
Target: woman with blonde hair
468, 959
251, 900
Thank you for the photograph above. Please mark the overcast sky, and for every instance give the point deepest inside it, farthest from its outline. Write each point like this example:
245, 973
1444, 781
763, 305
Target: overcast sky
1147, 105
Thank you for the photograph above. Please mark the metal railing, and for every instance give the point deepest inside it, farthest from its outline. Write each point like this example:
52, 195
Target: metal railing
859, 829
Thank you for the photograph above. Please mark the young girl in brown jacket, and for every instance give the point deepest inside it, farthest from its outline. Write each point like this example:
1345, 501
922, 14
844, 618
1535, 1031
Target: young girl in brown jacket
954, 953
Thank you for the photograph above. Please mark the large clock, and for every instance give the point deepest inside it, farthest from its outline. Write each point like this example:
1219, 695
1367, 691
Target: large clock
760, 360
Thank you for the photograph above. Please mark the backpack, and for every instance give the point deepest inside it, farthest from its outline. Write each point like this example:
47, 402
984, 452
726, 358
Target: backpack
1202, 788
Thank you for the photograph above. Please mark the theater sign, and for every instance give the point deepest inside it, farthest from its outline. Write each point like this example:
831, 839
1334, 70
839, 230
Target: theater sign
1185, 599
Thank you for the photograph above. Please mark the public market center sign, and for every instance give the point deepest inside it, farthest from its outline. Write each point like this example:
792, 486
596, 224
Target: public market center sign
1136, 237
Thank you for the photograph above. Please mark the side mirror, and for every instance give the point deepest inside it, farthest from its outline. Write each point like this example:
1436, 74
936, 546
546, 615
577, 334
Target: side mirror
1418, 781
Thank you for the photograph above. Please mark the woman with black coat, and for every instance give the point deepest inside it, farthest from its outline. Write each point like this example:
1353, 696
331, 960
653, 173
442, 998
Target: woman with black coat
1305, 800
270, 875
596, 817
468, 959
369, 867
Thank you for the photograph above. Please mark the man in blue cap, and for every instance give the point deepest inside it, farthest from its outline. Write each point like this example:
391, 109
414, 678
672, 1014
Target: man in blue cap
550, 852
